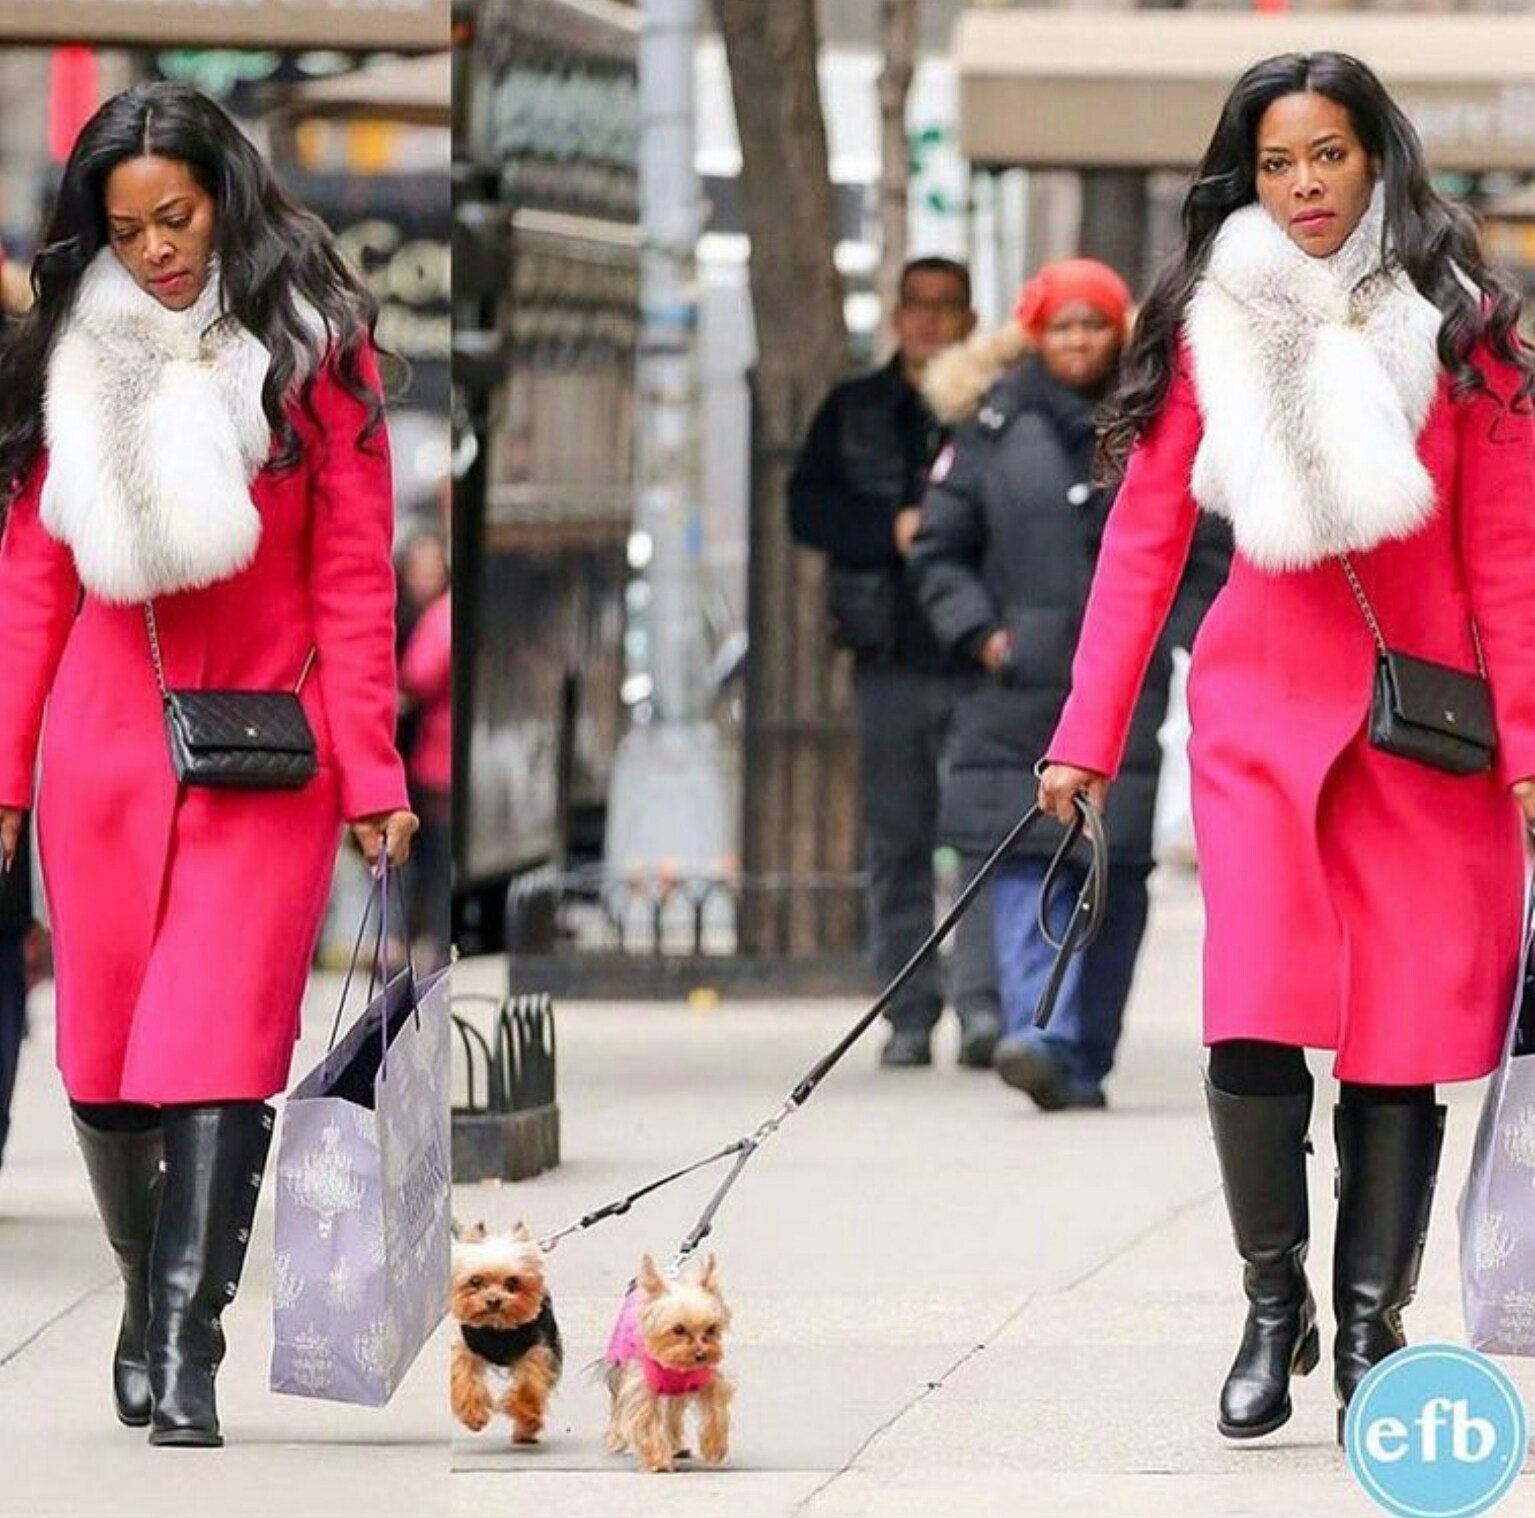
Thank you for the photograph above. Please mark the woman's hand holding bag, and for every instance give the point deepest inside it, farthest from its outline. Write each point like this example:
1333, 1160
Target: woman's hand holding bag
391, 830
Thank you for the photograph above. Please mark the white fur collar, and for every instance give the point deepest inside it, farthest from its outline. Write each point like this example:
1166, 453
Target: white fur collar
1314, 376
155, 431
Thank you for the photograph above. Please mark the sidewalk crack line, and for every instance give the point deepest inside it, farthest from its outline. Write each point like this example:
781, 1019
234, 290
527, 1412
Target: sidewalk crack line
1178, 1211
1168, 1218
876, 1434
54, 1321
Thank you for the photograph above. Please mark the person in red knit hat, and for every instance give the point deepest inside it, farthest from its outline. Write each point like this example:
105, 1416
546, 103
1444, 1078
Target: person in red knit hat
1071, 282
1011, 527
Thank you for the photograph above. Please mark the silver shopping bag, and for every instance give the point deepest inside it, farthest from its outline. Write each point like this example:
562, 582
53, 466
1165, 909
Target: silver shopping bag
1497, 1207
363, 1161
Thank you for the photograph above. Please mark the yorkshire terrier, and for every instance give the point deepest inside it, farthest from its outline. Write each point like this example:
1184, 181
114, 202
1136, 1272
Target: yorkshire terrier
506, 1329
663, 1357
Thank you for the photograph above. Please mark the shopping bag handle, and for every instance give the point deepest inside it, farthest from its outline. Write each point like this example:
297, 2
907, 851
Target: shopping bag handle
378, 969
1521, 1033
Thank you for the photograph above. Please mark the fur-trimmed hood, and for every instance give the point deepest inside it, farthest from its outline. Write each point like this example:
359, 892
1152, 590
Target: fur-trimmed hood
956, 379
1314, 378
155, 431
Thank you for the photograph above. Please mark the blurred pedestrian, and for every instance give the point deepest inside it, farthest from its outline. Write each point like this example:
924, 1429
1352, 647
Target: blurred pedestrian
426, 678
193, 428
15, 924
421, 576
1011, 528
1331, 365
855, 496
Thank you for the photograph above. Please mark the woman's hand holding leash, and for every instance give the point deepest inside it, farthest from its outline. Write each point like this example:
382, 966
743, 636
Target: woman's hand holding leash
1059, 783
392, 829
1524, 793
11, 819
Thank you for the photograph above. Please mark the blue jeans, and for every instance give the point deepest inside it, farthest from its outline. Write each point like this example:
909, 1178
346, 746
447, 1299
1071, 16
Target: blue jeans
13, 1019
1089, 1013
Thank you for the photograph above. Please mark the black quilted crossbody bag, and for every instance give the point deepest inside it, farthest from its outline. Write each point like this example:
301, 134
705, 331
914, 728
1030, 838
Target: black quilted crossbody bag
1436, 715
236, 739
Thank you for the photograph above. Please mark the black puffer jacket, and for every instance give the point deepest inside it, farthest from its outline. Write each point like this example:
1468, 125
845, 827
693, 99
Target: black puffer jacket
1011, 528
865, 459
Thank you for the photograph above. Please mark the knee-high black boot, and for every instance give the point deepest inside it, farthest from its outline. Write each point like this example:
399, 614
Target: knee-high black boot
124, 1168
1388, 1160
1261, 1142
214, 1159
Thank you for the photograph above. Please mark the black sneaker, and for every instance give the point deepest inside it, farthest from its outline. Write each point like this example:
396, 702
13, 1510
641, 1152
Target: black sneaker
1027, 1065
907, 1049
978, 1035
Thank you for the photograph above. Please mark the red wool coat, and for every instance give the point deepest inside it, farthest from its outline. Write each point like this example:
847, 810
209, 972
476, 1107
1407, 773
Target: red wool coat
185, 920
1354, 901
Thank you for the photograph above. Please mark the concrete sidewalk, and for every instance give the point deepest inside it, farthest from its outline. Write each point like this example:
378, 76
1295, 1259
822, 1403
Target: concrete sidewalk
62, 1451
944, 1300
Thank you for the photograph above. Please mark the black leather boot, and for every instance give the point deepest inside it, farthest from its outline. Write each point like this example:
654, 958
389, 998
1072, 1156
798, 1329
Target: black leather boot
1388, 1160
214, 1159
125, 1180
1261, 1143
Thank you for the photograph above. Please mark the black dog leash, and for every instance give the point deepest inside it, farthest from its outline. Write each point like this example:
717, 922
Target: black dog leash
616, 1209
1083, 926
1086, 920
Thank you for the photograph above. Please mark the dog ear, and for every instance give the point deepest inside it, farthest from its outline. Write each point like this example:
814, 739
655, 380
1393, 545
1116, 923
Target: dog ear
709, 1276
521, 1233
651, 1281
472, 1233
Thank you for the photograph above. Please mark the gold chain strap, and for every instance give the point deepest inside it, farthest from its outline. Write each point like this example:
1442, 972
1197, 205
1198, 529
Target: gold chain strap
1375, 632
154, 653
154, 648
1364, 603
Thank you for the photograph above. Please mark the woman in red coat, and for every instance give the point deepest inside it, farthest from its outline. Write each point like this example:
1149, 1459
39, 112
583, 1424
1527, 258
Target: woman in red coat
191, 421
1332, 366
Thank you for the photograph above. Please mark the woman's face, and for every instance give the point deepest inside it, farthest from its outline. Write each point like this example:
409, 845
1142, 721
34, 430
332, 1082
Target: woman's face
162, 224
1314, 176
425, 571
1080, 346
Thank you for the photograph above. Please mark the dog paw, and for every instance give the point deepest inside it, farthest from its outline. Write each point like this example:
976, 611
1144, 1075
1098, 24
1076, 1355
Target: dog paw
714, 1448
474, 1416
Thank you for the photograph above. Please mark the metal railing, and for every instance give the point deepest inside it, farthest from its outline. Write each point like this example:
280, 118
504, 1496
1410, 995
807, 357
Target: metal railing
516, 1066
508, 1125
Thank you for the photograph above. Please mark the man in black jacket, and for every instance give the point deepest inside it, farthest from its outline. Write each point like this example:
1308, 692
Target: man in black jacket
855, 496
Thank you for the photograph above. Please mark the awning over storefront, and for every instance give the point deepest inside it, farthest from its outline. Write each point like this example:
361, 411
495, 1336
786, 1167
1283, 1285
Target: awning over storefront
416, 90
1065, 89
409, 25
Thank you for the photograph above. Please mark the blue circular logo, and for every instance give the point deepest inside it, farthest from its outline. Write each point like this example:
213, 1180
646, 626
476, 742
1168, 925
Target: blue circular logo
1436, 1431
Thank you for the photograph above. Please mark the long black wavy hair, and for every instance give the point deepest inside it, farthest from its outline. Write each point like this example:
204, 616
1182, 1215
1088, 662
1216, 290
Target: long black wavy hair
1432, 240
273, 258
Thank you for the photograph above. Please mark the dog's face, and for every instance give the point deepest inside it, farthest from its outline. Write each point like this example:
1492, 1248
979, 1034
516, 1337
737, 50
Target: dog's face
683, 1322
498, 1279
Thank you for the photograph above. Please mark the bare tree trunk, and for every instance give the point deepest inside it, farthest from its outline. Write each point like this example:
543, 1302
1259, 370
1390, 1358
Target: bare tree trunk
801, 779
898, 29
